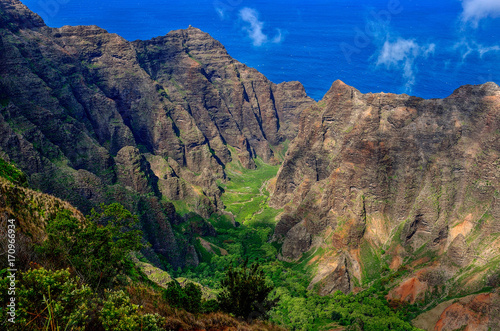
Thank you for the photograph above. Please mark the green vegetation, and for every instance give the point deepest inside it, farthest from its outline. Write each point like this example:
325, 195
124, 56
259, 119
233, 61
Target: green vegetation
371, 261
295, 307
86, 280
367, 310
48, 298
57, 300
188, 297
245, 292
12, 174
118, 313
245, 195
89, 281
96, 248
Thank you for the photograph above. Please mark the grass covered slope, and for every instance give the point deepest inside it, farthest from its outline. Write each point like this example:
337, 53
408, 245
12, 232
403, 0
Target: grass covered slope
30, 209
12, 174
246, 194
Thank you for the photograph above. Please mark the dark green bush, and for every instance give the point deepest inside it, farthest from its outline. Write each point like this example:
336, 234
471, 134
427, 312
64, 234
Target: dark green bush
119, 314
47, 298
188, 298
245, 292
97, 247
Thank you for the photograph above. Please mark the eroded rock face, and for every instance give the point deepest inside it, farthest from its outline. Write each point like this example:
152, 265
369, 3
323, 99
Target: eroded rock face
135, 172
180, 96
338, 280
230, 103
298, 240
474, 312
156, 222
414, 177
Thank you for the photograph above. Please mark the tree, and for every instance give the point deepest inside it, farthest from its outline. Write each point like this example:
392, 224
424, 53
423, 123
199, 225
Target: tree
188, 297
245, 291
95, 248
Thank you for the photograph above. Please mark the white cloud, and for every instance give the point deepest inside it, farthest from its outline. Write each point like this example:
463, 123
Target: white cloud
467, 48
278, 38
220, 12
483, 50
401, 55
476, 10
255, 27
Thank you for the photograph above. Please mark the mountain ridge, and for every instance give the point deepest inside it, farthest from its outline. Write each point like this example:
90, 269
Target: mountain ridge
394, 178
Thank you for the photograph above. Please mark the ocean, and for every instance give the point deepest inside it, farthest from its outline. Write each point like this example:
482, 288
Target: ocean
423, 48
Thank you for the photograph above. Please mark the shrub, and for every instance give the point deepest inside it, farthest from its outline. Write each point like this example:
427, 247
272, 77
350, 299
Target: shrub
210, 306
46, 298
119, 314
188, 298
96, 248
245, 291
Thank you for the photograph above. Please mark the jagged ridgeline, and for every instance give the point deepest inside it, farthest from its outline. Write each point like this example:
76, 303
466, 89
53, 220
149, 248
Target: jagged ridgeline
390, 193
402, 190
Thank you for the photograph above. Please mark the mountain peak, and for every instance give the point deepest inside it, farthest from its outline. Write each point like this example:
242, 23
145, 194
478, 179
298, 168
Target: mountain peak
486, 89
15, 15
339, 88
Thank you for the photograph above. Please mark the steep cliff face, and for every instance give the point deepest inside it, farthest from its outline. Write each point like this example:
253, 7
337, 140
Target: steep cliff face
229, 102
93, 118
381, 179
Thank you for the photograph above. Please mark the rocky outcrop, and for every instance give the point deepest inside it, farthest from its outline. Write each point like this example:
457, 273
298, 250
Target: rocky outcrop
386, 177
134, 172
338, 280
158, 230
298, 240
474, 312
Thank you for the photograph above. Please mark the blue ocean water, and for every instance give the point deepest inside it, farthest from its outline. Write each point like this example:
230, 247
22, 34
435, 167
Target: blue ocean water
424, 48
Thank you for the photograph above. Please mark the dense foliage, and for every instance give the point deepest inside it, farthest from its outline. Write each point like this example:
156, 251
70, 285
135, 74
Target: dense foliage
188, 298
96, 248
48, 298
55, 300
367, 310
297, 308
245, 292
12, 174
119, 314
